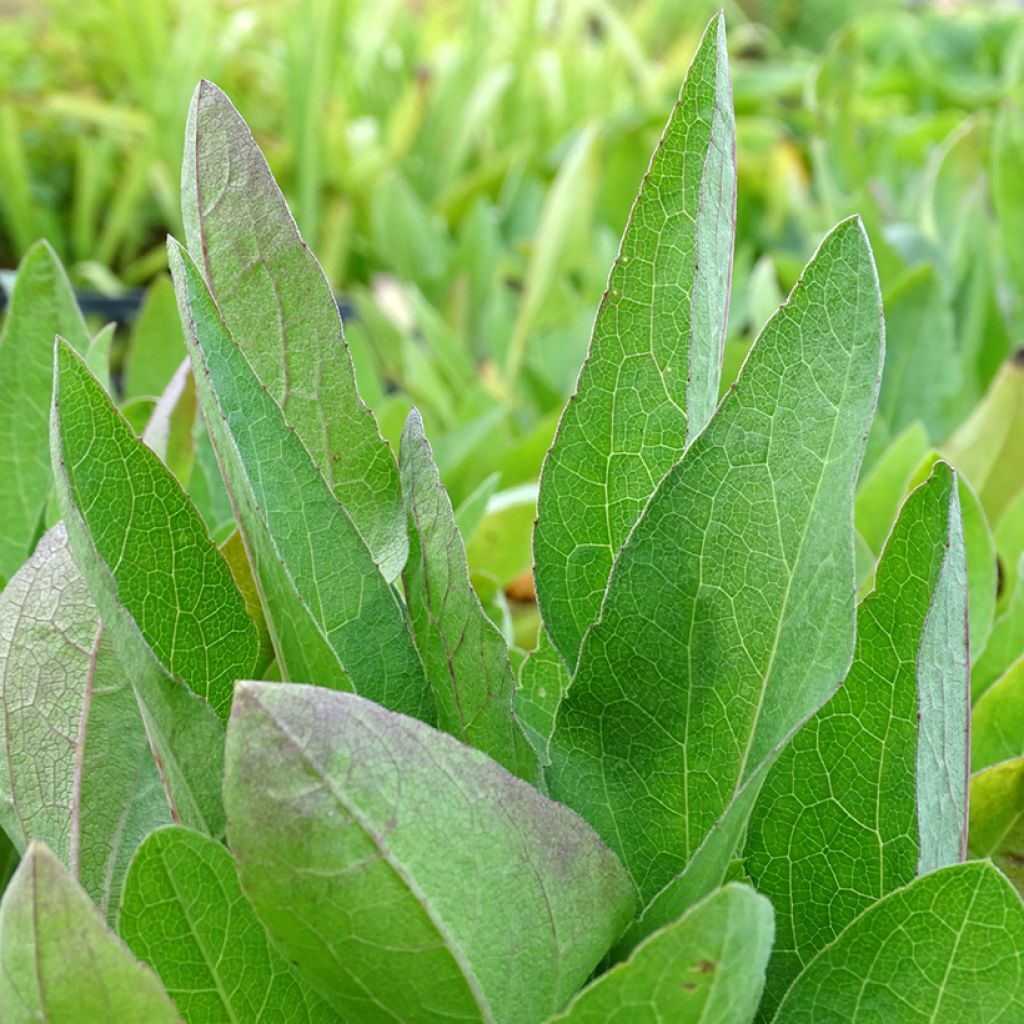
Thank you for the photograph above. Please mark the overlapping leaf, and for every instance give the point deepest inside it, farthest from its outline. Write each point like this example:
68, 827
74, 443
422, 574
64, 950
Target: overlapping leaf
165, 594
948, 947
706, 968
76, 769
873, 789
997, 722
465, 657
276, 301
42, 305
60, 964
334, 618
410, 877
729, 615
651, 378
997, 818
186, 916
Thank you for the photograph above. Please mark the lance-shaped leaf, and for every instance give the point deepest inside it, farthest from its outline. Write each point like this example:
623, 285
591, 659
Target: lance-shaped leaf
277, 303
873, 789
650, 381
997, 722
997, 818
42, 306
60, 964
163, 590
465, 656
948, 947
706, 968
185, 915
729, 615
76, 769
410, 877
333, 617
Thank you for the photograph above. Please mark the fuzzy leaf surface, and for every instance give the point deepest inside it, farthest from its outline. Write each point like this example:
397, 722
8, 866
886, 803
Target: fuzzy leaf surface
650, 381
76, 770
277, 303
410, 877
333, 617
873, 789
464, 654
729, 615
42, 306
60, 964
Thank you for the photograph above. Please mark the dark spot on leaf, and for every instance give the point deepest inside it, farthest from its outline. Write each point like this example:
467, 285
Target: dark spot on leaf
706, 967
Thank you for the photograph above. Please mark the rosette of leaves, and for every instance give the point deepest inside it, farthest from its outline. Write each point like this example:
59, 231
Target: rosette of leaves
294, 777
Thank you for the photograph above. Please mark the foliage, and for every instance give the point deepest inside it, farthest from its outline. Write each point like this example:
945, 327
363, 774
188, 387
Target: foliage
260, 701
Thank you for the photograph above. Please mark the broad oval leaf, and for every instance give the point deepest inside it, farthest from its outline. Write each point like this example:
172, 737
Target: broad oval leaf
650, 381
948, 947
185, 915
333, 617
729, 615
464, 654
873, 789
706, 968
277, 303
410, 877
42, 306
164, 592
76, 768
59, 963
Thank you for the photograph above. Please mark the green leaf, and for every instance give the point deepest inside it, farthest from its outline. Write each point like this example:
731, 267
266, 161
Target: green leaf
359, 849
60, 964
987, 447
170, 427
922, 368
170, 577
9, 859
76, 769
276, 301
164, 592
997, 818
729, 615
650, 381
333, 617
1006, 154
948, 947
883, 489
1005, 643
156, 347
873, 789
185, 915
465, 656
543, 681
1009, 538
706, 968
42, 306
997, 722
97, 356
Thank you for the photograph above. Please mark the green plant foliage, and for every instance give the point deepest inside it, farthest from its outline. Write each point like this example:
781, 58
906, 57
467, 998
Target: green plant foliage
330, 735
341, 842
61, 964
185, 915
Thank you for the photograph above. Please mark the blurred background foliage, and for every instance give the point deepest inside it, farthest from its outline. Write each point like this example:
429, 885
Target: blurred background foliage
464, 169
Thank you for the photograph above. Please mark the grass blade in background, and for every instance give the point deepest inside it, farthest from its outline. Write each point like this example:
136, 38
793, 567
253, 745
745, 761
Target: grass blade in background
60, 964
873, 789
651, 379
276, 301
42, 306
359, 850
729, 616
